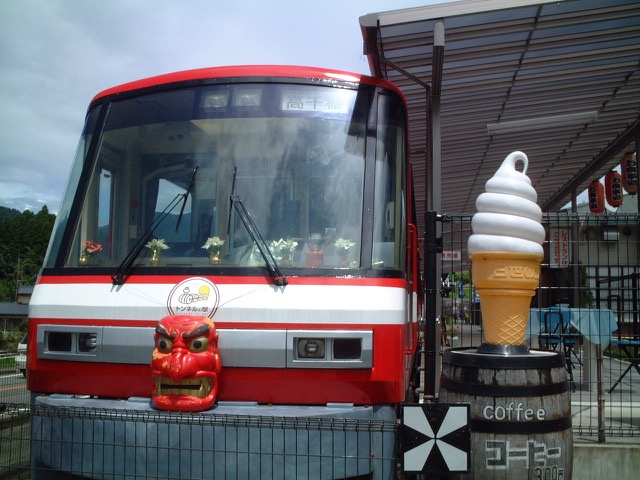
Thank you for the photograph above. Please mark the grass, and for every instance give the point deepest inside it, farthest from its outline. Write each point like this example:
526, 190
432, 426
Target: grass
7, 361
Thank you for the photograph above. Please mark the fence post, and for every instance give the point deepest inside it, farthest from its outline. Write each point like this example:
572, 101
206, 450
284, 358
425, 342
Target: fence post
600, 386
432, 285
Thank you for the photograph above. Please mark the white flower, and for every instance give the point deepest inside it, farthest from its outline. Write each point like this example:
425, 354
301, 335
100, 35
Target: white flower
213, 243
283, 245
276, 245
156, 245
344, 243
290, 245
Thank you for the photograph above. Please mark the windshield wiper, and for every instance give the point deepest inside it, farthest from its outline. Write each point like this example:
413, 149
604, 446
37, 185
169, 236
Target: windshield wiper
277, 276
186, 196
124, 269
122, 273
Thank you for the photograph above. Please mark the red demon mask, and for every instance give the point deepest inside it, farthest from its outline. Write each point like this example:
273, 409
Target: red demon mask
185, 364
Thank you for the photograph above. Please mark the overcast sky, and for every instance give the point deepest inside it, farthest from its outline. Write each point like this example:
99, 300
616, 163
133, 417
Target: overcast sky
55, 55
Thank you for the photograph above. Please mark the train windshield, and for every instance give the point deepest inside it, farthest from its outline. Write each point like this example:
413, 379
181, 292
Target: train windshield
193, 173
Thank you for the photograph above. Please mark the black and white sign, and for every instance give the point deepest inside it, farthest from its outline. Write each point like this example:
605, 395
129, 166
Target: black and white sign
435, 438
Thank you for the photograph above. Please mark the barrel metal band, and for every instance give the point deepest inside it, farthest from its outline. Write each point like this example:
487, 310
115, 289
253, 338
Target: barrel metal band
503, 390
541, 426
469, 357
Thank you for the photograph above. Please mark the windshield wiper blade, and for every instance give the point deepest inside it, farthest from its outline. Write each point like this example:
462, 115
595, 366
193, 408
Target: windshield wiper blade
277, 276
233, 193
124, 269
186, 196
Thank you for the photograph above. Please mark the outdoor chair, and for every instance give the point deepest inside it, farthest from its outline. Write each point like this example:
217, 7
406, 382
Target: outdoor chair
627, 340
556, 334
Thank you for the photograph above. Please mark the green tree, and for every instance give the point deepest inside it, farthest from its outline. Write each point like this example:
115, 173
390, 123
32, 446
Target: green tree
585, 295
7, 213
23, 244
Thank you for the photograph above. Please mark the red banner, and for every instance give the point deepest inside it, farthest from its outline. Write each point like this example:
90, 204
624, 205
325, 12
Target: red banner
613, 188
630, 172
596, 197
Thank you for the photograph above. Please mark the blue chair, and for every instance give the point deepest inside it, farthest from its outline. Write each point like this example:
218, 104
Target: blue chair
627, 340
550, 329
555, 332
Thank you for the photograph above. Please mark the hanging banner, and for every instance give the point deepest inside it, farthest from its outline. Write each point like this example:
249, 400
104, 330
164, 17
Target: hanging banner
596, 197
629, 165
451, 255
613, 188
559, 247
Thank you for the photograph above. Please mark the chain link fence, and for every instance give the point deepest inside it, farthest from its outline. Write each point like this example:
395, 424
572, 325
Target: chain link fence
590, 273
41, 442
590, 270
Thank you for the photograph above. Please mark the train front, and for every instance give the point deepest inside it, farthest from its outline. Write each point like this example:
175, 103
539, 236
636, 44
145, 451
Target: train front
270, 203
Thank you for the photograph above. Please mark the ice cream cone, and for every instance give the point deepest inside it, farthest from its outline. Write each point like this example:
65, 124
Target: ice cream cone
505, 282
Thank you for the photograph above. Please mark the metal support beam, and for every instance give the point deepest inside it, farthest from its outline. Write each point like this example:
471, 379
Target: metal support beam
619, 144
433, 200
432, 288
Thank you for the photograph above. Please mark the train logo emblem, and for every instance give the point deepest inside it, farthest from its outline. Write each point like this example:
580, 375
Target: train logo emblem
194, 296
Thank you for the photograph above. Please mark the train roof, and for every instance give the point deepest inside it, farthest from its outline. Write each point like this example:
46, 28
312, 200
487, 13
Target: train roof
258, 71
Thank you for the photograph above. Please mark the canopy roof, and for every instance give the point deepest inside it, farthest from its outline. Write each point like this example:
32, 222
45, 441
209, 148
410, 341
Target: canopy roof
557, 80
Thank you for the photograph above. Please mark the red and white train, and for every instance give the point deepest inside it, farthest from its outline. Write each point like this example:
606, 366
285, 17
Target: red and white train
298, 181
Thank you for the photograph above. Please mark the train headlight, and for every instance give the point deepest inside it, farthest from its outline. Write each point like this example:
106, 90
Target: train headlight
87, 342
311, 348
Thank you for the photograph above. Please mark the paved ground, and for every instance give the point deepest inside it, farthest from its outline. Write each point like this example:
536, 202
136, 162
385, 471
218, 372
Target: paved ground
619, 410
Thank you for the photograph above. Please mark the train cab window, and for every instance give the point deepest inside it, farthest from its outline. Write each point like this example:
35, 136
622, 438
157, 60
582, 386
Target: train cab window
105, 210
390, 186
95, 242
176, 230
176, 165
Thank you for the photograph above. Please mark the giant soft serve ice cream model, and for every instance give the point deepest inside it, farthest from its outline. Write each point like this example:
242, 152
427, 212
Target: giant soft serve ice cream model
506, 250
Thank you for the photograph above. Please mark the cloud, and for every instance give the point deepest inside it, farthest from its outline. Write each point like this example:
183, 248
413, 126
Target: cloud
57, 54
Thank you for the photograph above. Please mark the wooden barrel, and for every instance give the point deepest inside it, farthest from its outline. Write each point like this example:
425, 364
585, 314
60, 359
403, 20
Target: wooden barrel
520, 412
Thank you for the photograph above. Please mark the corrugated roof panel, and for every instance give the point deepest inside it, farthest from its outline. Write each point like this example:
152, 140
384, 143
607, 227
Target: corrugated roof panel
515, 60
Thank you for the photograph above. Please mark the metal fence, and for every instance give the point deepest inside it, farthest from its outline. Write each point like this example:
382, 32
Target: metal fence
591, 273
590, 269
7, 362
129, 444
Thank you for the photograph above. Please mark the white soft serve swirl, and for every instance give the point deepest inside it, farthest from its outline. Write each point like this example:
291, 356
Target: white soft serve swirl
508, 218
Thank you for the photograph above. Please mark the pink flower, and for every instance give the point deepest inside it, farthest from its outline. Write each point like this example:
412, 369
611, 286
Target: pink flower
92, 247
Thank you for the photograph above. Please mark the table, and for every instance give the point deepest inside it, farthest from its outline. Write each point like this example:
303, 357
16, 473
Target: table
596, 325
